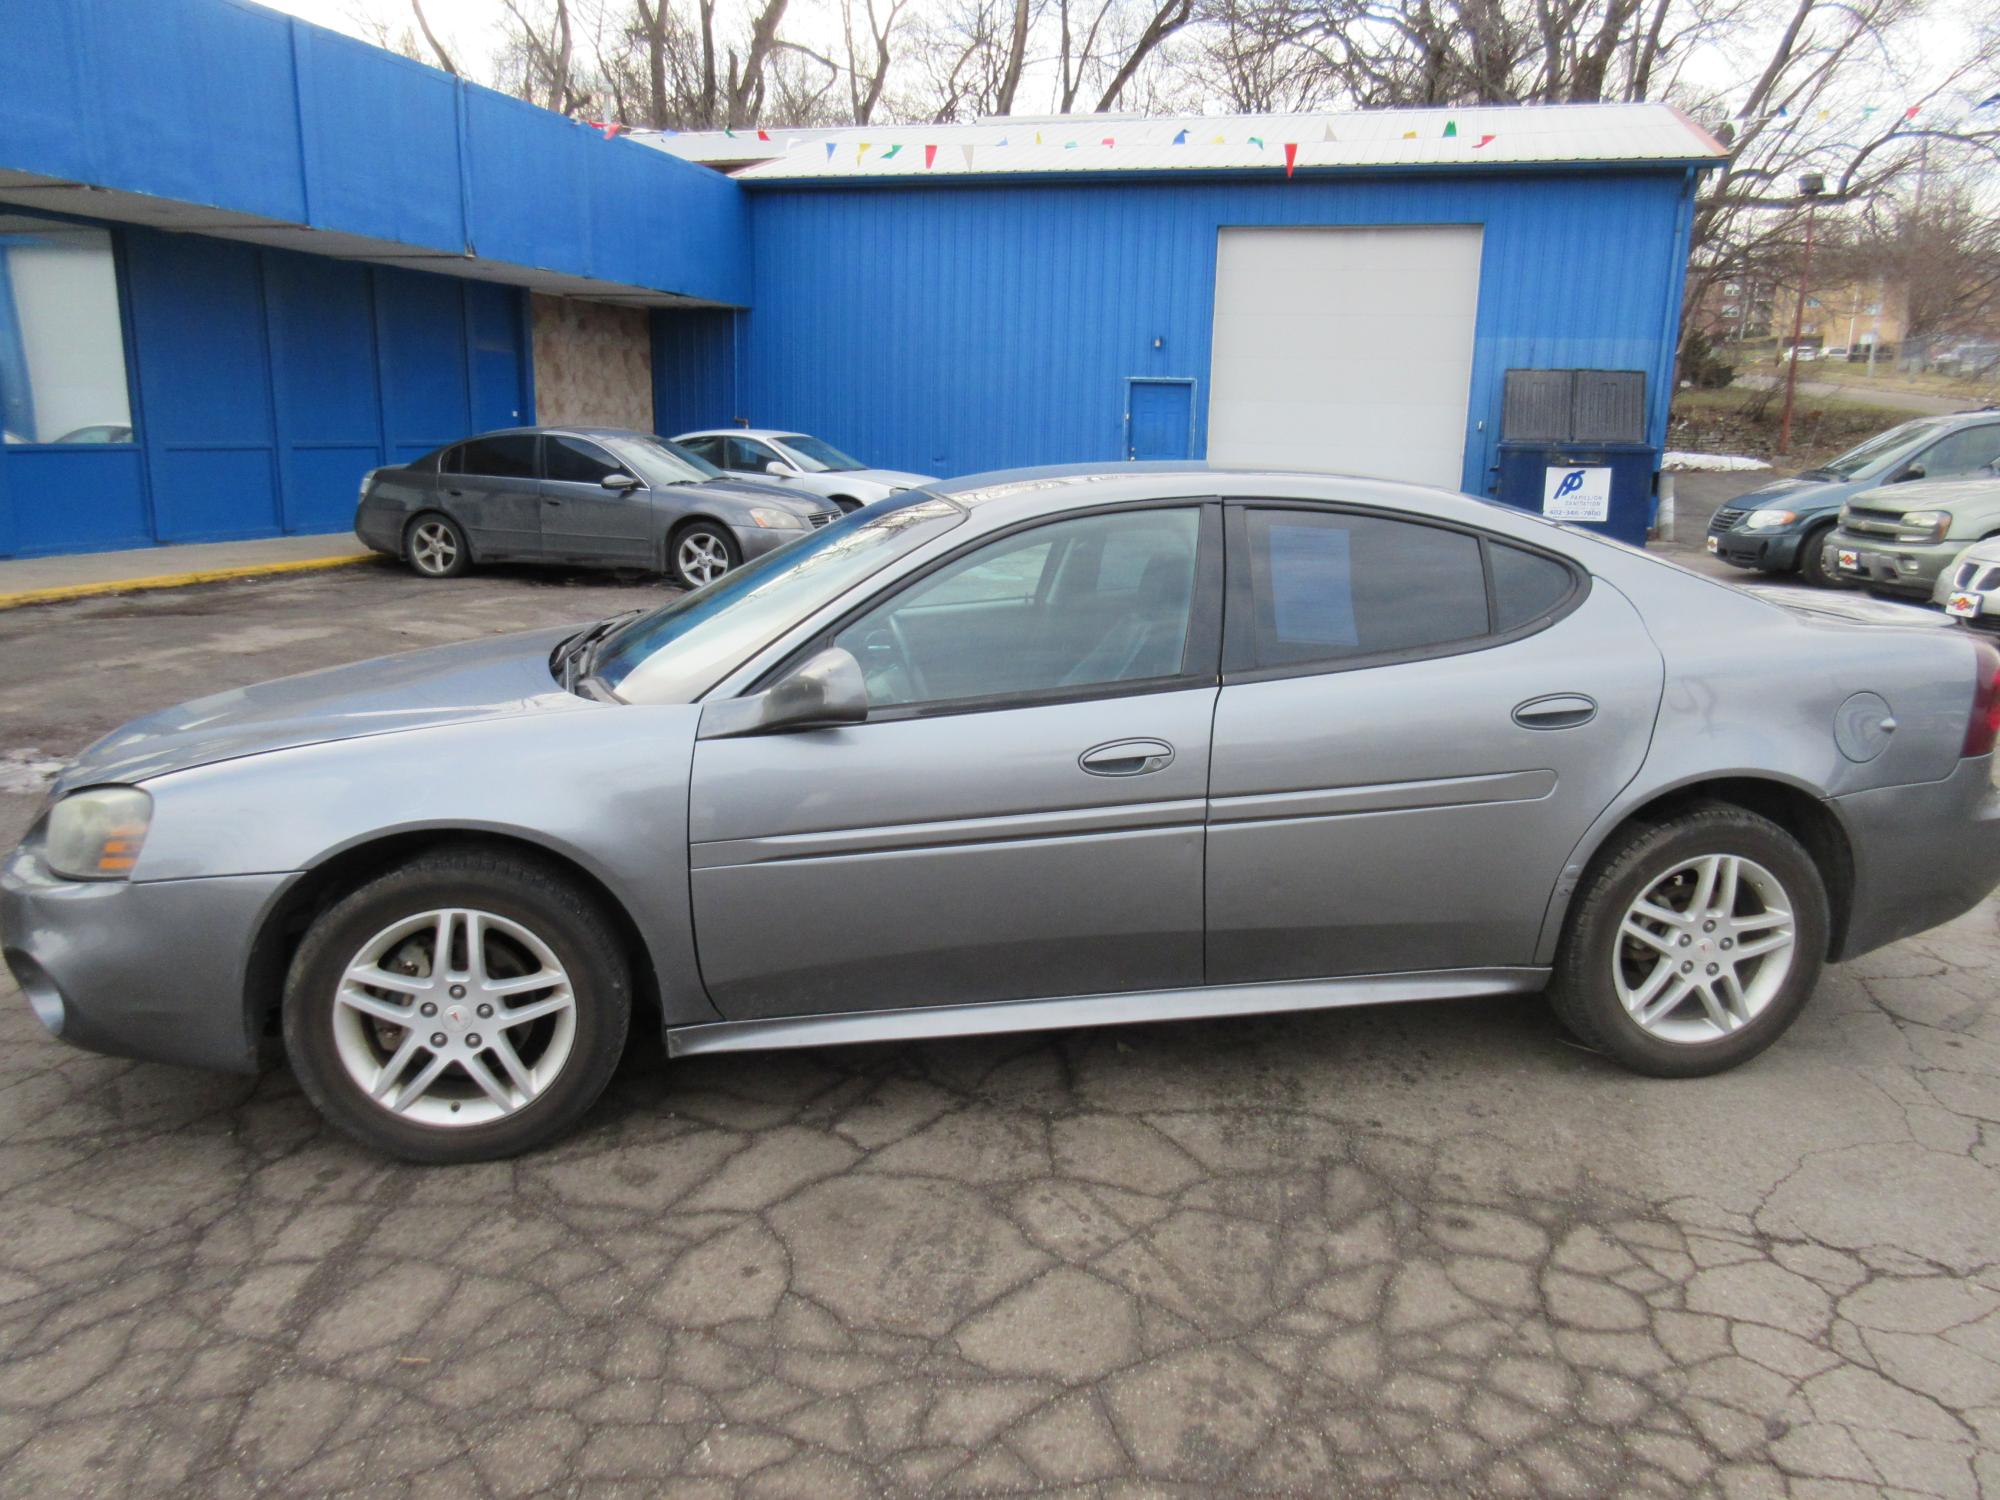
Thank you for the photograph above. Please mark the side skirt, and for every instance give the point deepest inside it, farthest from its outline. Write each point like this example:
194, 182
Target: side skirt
1209, 1001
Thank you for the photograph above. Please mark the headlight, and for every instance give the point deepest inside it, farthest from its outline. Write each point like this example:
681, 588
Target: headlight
96, 834
778, 520
1769, 520
366, 480
1923, 526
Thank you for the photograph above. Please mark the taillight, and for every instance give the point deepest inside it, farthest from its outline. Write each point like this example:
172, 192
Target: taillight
1984, 726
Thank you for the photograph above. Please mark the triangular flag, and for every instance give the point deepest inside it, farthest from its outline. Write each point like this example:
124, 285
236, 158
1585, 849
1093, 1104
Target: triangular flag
1001, 142
1038, 138
1218, 140
1450, 128
728, 132
1481, 141
1409, 135
892, 150
1257, 141
1868, 109
861, 152
930, 155
1329, 132
968, 156
1181, 138
1291, 156
1782, 112
1109, 141
763, 135
1911, 112
1069, 145
831, 147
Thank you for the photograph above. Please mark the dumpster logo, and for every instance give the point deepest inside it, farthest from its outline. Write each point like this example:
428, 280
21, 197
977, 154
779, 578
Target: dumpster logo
1576, 494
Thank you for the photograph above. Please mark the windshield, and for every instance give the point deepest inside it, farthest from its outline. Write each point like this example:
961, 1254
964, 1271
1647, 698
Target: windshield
680, 651
658, 461
816, 457
1870, 458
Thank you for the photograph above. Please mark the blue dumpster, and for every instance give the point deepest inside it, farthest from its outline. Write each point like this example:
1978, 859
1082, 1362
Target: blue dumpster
1606, 487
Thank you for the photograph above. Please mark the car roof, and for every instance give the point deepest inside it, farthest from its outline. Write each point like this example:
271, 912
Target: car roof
749, 432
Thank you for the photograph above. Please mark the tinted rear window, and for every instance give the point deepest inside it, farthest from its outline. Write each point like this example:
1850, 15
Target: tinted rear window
511, 456
1526, 585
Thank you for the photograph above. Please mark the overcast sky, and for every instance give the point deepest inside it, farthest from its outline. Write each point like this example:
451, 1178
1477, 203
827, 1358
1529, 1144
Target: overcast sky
471, 29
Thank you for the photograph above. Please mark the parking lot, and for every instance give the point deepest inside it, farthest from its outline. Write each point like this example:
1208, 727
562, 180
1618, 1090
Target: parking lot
1431, 1249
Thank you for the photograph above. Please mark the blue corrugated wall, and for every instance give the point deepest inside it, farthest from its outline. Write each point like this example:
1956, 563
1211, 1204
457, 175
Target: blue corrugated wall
237, 107
265, 384
955, 329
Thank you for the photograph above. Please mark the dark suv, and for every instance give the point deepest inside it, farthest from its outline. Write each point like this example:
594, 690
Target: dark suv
1781, 527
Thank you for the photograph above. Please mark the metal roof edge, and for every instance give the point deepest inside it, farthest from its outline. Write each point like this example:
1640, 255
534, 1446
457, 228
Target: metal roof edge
1663, 165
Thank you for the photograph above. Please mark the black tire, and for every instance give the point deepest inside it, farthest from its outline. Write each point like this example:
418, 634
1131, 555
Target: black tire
1582, 988
517, 890
434, 535
1812, 567
712, 532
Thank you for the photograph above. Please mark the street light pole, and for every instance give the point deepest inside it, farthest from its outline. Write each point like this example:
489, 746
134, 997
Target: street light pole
1810, 187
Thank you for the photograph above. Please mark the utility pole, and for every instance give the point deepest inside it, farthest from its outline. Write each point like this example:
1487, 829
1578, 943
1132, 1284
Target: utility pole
1810, 187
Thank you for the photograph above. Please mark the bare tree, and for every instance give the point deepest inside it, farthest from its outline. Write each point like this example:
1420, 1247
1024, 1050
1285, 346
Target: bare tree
437, 47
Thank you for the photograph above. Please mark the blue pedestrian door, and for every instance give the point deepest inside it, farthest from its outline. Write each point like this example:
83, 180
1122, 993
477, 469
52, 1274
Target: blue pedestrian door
1159, 419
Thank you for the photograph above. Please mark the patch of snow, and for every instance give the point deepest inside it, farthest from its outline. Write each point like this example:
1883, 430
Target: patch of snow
26, 770
1710, 463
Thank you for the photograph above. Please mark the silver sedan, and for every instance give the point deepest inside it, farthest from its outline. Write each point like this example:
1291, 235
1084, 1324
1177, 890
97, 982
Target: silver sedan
594, 496
1046, 749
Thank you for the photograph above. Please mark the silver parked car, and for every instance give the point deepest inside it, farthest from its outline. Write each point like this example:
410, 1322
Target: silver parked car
1055, 748
599, 496
800, 462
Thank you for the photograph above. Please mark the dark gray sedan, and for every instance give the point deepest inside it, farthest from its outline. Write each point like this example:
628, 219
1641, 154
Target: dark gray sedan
599, 496
1060, 748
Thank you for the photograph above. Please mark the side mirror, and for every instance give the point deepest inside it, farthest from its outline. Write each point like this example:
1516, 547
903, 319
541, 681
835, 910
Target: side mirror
1911, 471
619, 482
827, 689
779, 469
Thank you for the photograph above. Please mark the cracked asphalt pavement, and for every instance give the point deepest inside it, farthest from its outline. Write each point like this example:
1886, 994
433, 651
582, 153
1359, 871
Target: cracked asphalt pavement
1423, 1250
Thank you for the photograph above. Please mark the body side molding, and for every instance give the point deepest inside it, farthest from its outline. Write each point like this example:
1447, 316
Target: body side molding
1198, 1003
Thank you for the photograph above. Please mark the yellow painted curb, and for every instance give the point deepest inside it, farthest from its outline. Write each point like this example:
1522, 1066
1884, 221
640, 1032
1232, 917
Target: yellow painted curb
177, 580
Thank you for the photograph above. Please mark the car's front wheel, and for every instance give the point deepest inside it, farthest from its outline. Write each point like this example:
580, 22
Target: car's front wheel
1812, 559
702, 553
1693, 943
468, 1006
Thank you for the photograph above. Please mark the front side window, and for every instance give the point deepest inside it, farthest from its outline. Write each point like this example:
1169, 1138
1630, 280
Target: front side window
708, 449
1964, 451
572, 461
816, 457
748, 457
681, 650
1094, 601
62, 336
508, 456
1868, 460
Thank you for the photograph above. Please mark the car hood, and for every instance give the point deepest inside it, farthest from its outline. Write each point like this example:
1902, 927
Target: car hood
1932, 494
759, 492
481, 679
1797, 493
895, 479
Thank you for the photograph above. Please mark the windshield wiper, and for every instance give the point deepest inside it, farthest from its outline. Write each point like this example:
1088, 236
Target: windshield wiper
572, 652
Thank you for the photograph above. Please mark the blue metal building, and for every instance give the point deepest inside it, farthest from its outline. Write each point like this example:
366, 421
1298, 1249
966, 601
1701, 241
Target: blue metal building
265, 258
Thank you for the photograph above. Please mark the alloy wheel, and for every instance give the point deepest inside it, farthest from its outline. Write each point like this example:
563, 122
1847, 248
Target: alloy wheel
454, 1017
702, 557
433, 548
1704, 949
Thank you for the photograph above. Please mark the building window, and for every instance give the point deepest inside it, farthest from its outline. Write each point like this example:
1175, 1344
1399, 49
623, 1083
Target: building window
62, 339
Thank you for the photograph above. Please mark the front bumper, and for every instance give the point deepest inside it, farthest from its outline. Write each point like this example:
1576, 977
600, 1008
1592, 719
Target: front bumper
1902, 568
1767, 551
1922, 854
148, 969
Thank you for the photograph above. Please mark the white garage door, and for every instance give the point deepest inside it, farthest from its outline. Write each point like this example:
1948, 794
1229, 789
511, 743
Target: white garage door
1344, 349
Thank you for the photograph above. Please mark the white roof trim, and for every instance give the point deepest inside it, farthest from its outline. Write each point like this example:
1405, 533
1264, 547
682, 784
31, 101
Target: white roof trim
1479, 136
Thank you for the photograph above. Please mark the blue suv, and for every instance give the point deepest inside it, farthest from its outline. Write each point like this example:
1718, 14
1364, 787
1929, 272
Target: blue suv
1780, 527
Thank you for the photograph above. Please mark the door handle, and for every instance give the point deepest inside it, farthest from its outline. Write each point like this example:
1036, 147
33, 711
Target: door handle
550, 500
1127, 758
1556, 711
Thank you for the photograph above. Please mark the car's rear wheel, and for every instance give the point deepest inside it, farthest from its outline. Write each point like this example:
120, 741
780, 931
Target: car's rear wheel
435, 546
702, 553
1693, 944
467, 1006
